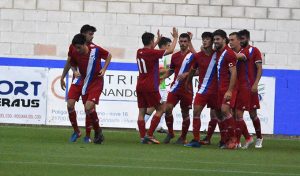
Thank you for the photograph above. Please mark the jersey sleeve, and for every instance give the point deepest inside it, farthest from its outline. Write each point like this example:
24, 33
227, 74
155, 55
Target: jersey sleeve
103, 54
257, 56
158, 53
172, 64
71, 55
231, 60
195, 64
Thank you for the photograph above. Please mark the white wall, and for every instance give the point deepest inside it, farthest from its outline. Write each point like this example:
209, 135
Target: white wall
38, 28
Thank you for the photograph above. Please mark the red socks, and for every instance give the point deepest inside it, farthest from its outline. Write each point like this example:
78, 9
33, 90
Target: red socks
211, 128
256, 124
73, 120
142, 128
185, 127
196, 128
169, 122
230, 125
154, 122
223, 131
88, 126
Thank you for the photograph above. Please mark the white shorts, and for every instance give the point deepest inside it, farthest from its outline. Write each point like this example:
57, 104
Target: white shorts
163, 94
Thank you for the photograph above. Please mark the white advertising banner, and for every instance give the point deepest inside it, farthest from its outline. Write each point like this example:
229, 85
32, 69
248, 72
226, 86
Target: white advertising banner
118, 106
23, 93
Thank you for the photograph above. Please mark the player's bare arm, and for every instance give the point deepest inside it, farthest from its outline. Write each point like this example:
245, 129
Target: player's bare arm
191, 47
64, 73
75, 72
163, 71
107, 61
159, 36
182, 76
167, 74
174, 34
254, 87
191, 73
233, 76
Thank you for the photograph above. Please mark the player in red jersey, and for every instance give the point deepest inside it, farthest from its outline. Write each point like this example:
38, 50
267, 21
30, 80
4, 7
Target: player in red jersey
254, 73
147, 87
86, 65
88, 31
180, 65
243, 89
205, 63
226, 71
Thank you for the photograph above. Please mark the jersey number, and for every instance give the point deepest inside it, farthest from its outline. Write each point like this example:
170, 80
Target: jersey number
142, 65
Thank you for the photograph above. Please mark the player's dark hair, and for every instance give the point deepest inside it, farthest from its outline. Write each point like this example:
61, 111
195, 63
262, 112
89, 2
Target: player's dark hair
185, 35
234, 33
207, 35
163, 41
86, 28
244, 32
147, 37
220, 33
79, 39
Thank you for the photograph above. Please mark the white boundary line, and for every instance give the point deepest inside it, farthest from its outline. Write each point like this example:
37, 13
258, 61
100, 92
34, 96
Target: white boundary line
147, 167
161, 160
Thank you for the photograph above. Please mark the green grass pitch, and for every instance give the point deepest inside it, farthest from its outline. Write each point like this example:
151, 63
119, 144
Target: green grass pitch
45, 151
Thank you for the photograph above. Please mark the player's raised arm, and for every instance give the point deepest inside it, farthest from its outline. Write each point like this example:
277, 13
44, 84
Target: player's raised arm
191, 47
159, 36
174, 42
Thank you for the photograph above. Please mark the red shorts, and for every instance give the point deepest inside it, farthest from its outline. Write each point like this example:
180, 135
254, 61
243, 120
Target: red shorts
254, 101
243, 99
222, 100
148, 99
186, 99
74, 92
206, 99
93, 91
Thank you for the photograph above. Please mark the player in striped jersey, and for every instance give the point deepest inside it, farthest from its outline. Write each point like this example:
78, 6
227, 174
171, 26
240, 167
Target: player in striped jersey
85, 61
180, 64
205, 63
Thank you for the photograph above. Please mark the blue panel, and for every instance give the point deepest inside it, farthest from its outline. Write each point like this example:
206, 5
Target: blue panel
287, 106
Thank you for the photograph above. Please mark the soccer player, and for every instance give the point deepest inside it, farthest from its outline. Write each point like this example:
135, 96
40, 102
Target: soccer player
254, 73
243, 89
205, 63
226, 71
86, 65
163, 44
147, 87
88, 31
180, 65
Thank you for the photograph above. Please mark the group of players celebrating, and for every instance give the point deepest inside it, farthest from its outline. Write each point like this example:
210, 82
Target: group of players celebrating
229, 70
228, 85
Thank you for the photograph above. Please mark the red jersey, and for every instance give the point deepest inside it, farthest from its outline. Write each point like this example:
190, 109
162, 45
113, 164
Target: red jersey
242, 70
180, 63
148, 64
254, 57
226, 59
88, 64
207, 68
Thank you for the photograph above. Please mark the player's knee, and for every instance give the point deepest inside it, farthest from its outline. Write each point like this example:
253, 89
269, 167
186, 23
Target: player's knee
89, 110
